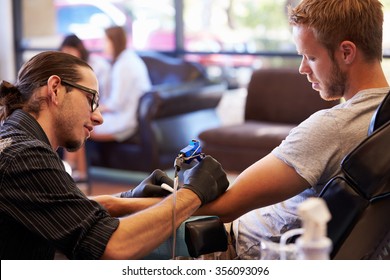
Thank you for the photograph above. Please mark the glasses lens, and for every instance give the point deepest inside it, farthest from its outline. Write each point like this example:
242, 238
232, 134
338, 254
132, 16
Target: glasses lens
95, 102
94, 93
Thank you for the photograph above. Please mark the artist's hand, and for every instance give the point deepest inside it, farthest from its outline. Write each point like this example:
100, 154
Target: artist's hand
151, 186
207, 179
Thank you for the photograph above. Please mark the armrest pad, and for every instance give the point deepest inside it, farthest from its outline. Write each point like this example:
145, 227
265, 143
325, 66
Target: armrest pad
205, 235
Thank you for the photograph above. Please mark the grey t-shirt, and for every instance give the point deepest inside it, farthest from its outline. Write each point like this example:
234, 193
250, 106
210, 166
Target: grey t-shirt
315, 150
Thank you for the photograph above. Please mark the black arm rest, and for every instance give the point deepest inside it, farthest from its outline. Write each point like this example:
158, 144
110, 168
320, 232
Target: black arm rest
205, 235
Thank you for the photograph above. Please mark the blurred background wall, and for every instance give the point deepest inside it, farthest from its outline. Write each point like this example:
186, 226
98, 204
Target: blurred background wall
7, 53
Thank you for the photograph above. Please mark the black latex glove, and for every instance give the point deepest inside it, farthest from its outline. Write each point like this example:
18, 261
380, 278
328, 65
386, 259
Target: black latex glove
151, 186
207, 179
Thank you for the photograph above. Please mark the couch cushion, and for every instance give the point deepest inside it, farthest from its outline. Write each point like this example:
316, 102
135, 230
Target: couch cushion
238, 146
283, 96
248, 135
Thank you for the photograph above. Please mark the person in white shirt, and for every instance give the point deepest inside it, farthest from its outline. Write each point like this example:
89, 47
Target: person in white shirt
129, 81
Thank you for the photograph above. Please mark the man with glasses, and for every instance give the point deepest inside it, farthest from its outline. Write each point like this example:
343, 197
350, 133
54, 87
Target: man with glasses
55, 103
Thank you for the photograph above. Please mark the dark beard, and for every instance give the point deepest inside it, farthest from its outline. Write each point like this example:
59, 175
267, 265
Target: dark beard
72, 146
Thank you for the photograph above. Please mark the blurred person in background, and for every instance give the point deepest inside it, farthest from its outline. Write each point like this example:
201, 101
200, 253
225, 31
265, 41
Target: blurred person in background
129, 81
74, 45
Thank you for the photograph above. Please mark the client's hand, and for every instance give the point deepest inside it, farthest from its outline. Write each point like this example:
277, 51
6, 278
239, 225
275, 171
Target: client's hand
151, 186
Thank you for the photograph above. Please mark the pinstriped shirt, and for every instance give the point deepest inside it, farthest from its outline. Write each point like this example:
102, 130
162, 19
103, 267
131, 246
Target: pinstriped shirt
41, 208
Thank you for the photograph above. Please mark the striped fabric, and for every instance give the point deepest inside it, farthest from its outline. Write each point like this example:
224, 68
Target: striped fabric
41, 208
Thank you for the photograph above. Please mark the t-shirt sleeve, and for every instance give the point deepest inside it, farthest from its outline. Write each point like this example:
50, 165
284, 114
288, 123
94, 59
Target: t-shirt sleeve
311, 147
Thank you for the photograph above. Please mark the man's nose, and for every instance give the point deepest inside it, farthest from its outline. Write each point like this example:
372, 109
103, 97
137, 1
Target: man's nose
97, 118
304, 67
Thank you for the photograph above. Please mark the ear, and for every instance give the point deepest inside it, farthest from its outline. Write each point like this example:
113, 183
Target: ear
348, 51
53, 85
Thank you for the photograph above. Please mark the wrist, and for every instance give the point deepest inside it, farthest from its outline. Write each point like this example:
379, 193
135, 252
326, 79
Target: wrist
190, 196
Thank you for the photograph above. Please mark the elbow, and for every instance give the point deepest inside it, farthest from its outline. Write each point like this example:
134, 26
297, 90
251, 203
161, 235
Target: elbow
118, 252
113, 252
117, 249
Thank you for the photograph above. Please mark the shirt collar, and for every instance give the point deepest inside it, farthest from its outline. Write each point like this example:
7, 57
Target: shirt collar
24, 121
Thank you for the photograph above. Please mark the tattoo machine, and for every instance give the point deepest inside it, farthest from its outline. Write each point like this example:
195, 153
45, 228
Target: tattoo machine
186, 155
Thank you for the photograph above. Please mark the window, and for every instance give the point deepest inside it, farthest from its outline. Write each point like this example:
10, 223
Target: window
229, 37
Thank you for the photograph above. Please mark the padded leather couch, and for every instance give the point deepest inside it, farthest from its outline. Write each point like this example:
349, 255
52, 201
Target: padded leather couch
277, 100
181, 104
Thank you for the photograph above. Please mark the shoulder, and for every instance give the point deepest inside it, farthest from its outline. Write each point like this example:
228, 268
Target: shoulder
129, 56
130, 63
28, 149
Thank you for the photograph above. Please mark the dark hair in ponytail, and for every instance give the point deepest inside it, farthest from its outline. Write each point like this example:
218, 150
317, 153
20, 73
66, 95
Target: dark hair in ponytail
10, 99
34, 74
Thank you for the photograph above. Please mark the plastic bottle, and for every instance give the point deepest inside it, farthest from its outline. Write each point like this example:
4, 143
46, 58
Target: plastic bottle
313, 244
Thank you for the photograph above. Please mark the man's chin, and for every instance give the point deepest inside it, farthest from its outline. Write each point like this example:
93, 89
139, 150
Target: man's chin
329, 97
73, 147
323, 96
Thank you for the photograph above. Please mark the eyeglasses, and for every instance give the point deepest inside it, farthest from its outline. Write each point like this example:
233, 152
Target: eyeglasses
94, 93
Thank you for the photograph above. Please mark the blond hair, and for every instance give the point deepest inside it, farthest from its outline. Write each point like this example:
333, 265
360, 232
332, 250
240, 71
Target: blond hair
334, 21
